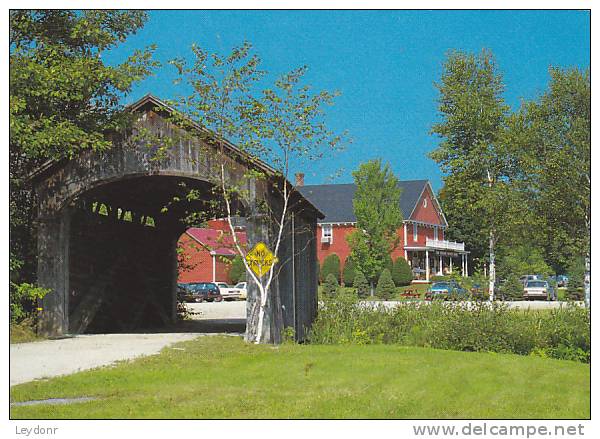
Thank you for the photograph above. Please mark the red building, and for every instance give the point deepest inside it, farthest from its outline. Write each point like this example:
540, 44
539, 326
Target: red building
421, 238
205, 254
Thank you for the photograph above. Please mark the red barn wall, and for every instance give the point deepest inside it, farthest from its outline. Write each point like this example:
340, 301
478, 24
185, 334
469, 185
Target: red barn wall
196, 263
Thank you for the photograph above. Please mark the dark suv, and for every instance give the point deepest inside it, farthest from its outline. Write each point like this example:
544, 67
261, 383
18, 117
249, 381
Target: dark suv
202, 291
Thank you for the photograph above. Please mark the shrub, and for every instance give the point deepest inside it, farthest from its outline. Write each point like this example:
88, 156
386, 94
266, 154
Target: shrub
237, 271
349, 272
576, 276
385, 286
330, 286
562, 333
512, 289
331, 265
361, 284
401, 272
23, 298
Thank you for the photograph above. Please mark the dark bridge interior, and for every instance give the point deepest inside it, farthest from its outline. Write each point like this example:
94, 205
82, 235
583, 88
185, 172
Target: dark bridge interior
122, 251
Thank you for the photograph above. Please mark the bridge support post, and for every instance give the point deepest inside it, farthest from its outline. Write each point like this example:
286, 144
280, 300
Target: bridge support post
53, 272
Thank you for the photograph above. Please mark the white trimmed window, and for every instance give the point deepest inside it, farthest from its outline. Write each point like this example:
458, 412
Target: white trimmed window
425, 202
435, 233
327, 233
415, 231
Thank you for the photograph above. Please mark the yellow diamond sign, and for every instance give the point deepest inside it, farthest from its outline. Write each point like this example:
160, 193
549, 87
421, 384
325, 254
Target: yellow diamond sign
260, 259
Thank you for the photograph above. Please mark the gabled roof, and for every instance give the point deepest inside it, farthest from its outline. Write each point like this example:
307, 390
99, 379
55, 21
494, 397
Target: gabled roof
216, 241
335, 200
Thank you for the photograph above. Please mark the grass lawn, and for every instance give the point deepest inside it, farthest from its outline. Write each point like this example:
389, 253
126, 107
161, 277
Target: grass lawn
23, 333
222, 377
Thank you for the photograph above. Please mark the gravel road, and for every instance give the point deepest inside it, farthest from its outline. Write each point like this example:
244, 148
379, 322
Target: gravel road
50, 358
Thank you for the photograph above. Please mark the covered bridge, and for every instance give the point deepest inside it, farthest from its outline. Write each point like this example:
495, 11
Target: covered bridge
108, 225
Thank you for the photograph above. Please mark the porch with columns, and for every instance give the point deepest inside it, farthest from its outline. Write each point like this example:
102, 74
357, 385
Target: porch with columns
437, 258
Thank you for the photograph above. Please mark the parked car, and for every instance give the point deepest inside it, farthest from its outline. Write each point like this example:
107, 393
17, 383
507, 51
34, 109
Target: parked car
208, 291
242, 287
537, 289
228, 293
562, 280
184, 293
528, 277
446, 290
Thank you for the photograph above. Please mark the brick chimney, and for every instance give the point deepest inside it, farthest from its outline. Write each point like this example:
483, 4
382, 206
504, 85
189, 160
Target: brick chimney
299, 179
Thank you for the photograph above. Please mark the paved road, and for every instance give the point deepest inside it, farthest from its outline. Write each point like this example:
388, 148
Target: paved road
218, 310
50, 358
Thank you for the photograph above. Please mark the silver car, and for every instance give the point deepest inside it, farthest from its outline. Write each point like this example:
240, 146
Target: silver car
536, 289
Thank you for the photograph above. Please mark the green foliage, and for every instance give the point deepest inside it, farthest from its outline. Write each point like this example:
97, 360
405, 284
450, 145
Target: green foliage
377, 209
331, 265
576, 272
552, 138
23, 298
237, 272
385, 285
349, 272
63, 99
511, 289
361, 284
330, 286
562, 333
473, 114
401, 272
519, 260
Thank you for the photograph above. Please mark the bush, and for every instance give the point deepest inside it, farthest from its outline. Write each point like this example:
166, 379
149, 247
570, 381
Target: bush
331, 265
512, 289
349, 272
385, 285
401, 272
23, 298
562, 333
330, 286
576, 273
237, 271
361, 285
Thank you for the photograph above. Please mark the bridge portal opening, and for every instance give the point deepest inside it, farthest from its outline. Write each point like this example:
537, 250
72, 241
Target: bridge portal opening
123, 252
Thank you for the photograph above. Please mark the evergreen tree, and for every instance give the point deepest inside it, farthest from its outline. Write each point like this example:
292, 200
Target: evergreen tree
361, 284
349, 272
331, 265
385, 285
330, 286
401, 272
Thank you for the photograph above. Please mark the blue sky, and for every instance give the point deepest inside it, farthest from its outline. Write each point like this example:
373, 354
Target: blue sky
383, 62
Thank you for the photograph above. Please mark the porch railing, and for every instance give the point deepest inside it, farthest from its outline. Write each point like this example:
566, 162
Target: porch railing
445, 245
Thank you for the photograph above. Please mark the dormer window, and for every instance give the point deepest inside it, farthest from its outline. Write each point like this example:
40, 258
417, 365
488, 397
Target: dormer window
327, 233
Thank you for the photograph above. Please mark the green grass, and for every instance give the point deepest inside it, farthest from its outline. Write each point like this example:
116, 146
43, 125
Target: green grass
222, 377
23, 332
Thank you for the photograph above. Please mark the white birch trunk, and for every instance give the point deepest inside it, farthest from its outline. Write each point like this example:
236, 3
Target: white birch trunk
492, 265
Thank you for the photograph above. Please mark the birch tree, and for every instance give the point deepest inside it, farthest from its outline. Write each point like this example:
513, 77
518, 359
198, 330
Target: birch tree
553, 139
473, 115
278, 125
